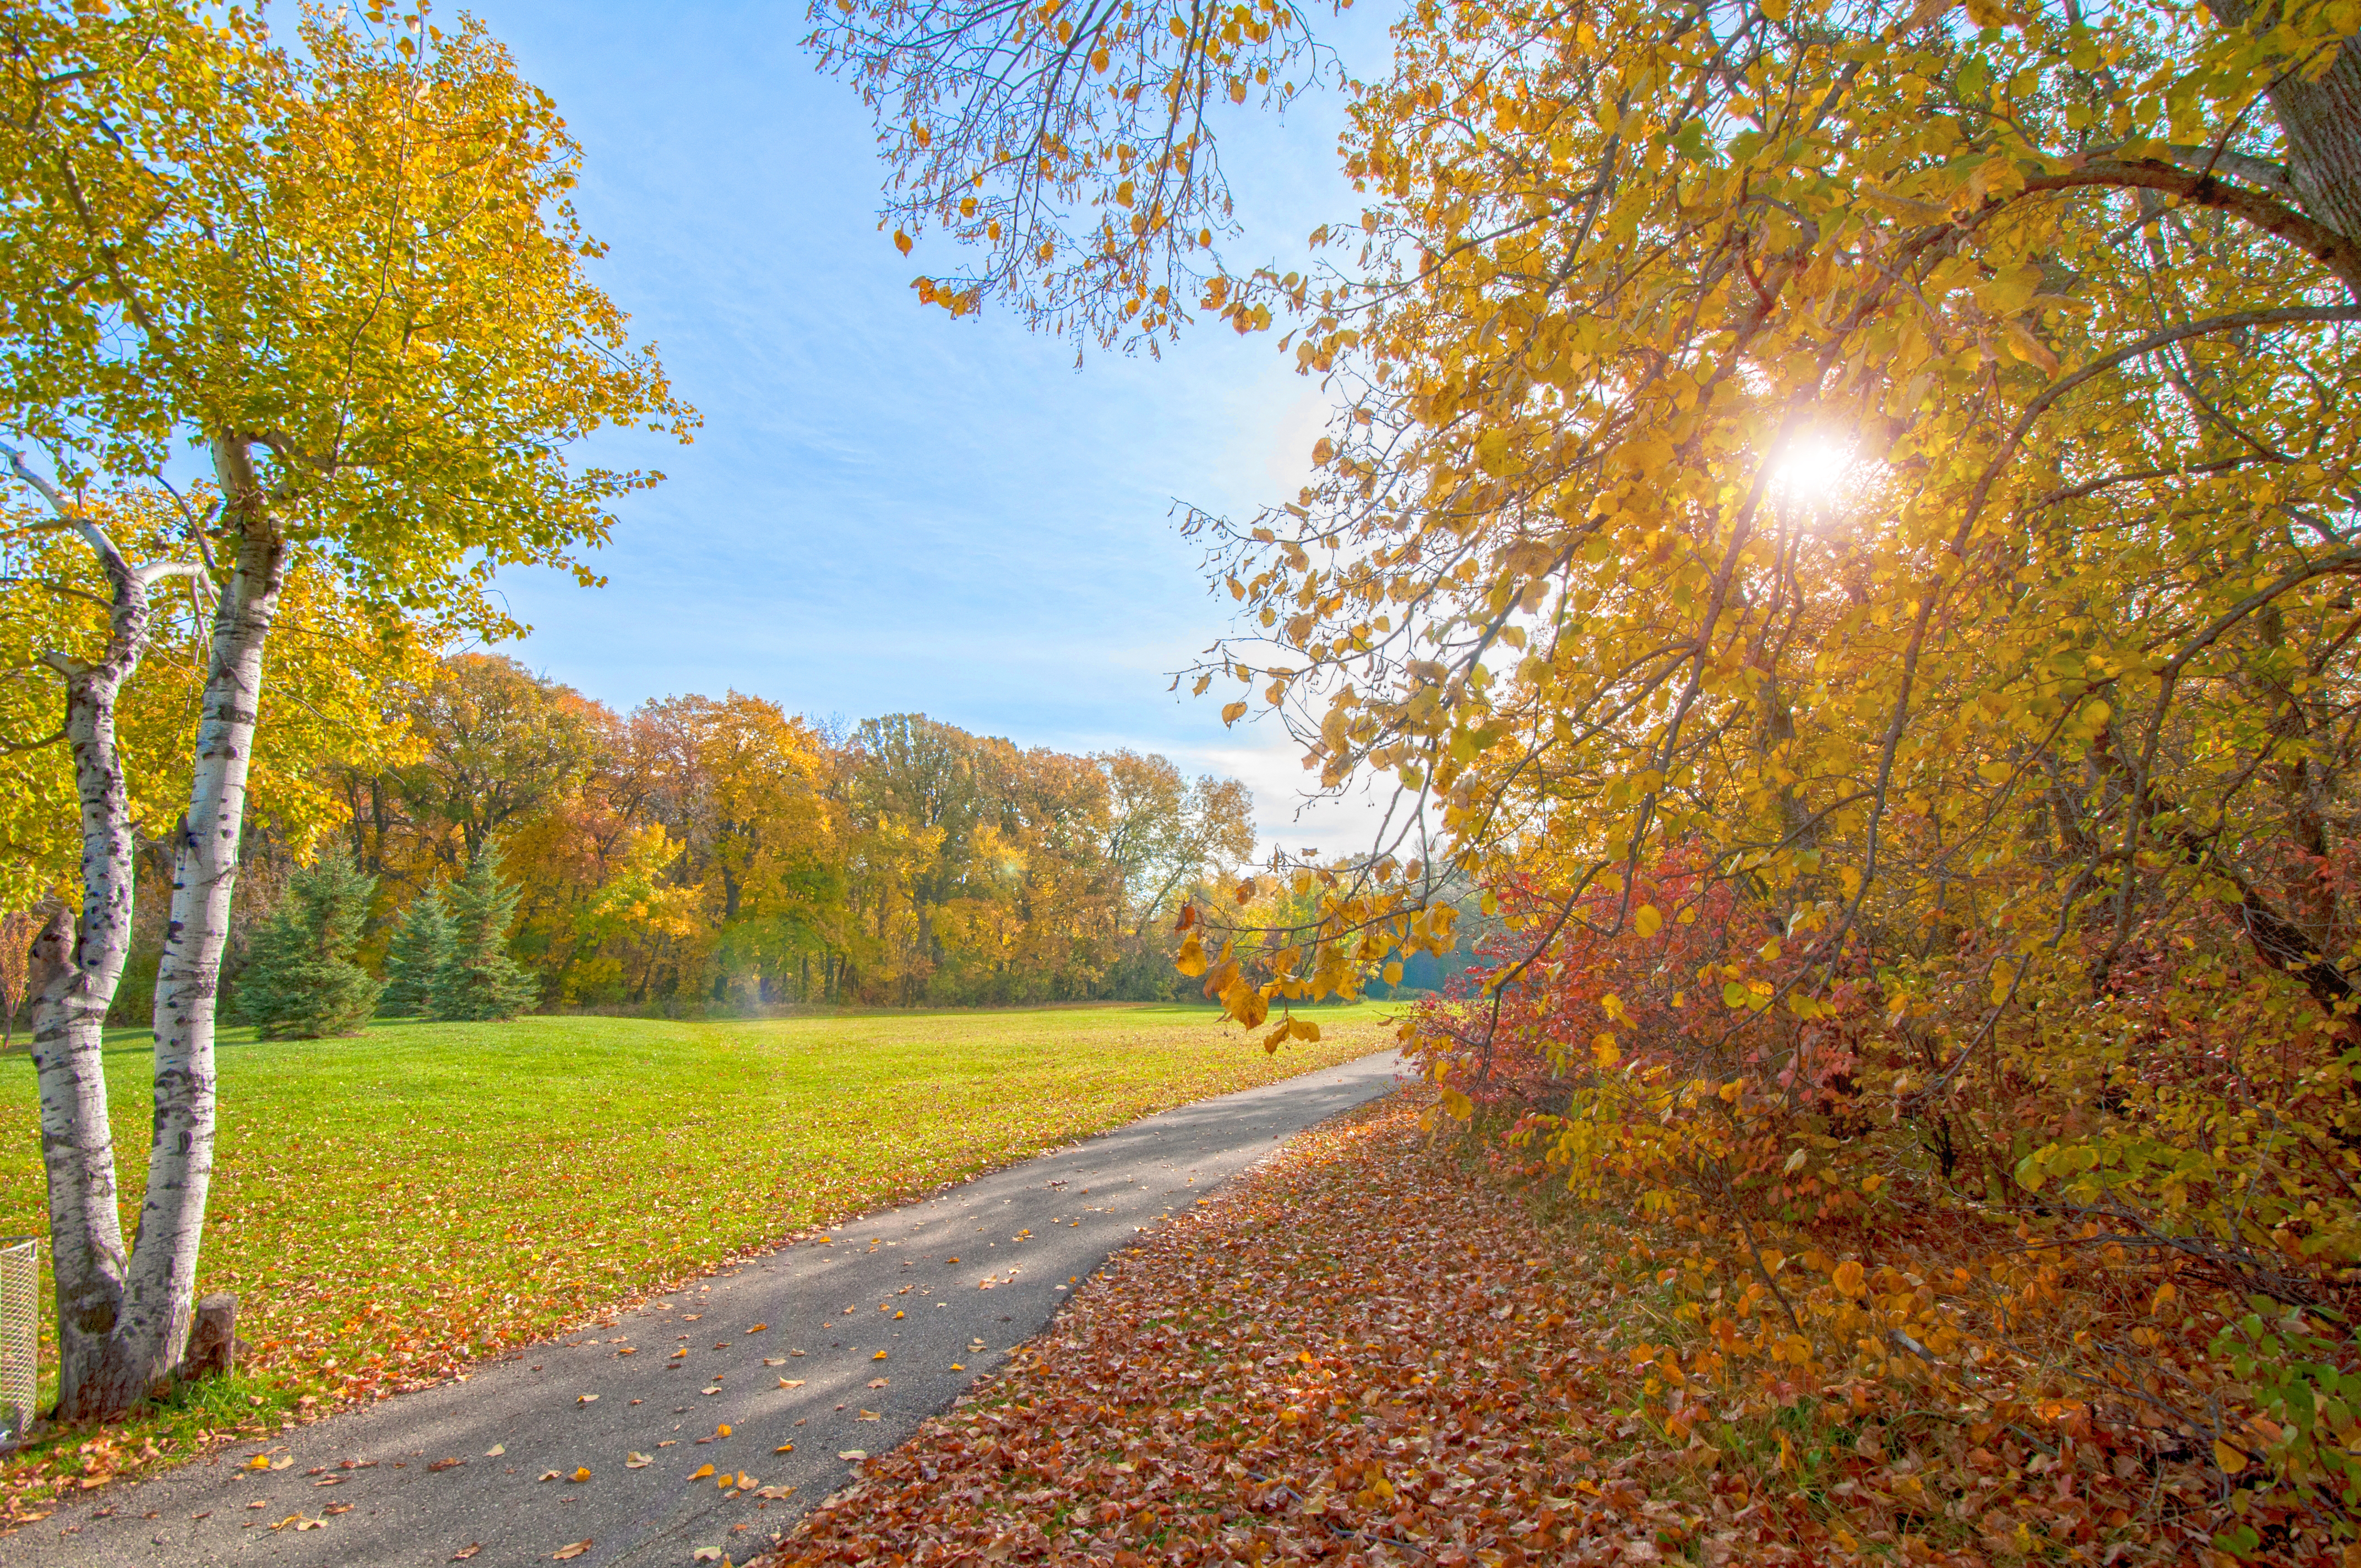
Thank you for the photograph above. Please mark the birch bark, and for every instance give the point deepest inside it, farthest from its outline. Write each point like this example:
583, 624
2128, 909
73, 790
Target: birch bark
159, 1287
77, 960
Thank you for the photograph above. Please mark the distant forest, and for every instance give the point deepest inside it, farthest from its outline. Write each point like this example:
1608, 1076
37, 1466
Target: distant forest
719, 853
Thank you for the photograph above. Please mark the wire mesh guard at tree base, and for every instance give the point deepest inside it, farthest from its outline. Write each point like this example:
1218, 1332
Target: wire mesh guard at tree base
20, 1342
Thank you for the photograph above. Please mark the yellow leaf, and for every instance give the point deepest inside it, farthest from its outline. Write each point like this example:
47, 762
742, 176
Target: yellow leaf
581, 1474
1848, 1278
700, 1473
1648, 920
1457, 1104
1233, 711
568, 1553
901, 242
637, 1461
879, 1356
2228, 1458
722, 1431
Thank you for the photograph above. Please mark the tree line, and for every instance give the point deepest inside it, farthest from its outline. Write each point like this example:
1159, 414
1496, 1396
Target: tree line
713, 853
701, 854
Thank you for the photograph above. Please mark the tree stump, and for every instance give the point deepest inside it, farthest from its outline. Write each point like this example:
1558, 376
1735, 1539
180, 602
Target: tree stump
212, 1341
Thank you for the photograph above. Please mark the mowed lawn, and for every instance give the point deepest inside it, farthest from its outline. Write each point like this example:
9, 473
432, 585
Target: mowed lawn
388, 1205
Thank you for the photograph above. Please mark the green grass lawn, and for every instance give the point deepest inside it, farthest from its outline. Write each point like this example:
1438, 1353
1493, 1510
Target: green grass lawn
388, 1205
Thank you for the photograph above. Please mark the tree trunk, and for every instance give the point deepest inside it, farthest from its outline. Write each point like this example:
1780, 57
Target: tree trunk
2322, 122
76, 962
160, 1288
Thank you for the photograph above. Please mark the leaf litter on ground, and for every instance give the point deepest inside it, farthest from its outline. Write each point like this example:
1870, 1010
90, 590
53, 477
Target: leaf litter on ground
1366, 1350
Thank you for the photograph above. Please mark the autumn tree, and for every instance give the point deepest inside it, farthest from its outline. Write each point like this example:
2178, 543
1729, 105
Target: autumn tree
346, 274
497, 744
1841, 527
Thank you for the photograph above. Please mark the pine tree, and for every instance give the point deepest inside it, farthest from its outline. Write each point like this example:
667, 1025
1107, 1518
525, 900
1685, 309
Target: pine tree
420, 947
479, 981
301, 980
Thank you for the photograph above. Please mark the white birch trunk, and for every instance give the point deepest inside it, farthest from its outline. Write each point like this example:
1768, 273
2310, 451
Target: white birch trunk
160, 1288
77, 960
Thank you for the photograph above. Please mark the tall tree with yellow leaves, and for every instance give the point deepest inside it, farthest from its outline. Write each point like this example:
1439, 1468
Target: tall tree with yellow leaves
346, 276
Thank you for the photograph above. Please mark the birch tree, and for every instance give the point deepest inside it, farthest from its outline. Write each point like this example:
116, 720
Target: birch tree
344, 282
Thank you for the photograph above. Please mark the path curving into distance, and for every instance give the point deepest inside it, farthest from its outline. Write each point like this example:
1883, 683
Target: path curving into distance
887, 1283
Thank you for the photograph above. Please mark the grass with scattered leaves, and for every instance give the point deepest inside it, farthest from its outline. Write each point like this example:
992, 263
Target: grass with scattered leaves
388, 1206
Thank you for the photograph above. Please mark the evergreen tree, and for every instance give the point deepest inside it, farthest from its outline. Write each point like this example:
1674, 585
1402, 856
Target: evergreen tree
420, 947
301, 982
479, 981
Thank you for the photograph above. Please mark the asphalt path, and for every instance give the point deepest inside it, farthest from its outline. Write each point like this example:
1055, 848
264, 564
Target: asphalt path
825, 1349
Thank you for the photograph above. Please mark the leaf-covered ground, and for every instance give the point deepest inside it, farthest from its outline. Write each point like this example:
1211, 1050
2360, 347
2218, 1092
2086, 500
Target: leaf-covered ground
390, 1206
1368, 1350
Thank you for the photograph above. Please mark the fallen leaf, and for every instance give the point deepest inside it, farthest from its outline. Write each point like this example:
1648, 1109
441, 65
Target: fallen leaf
467, 1551
283, 1462
586, 1400
722, 1431
331, 1481
260, 1461
854, 1454
774, 1361
956, 1367
496, 1450
705, 1554
337, 1508
791, 1382
773, 1492
290, 1518
794, 1353
546, 1475
568, 1553
581, 1474
879, 1356
758, 1328
879, 1382
714, 1390
700, 1473
785, 1448
636, 1460
446, 1465
867, 1416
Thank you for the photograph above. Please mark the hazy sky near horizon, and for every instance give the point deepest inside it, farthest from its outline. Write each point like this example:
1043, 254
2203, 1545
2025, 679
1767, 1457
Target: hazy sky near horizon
887, 509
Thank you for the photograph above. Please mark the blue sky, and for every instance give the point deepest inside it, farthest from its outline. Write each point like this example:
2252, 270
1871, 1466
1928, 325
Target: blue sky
889, 509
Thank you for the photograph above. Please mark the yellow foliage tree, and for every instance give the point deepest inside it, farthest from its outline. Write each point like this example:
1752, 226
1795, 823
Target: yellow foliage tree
347, 274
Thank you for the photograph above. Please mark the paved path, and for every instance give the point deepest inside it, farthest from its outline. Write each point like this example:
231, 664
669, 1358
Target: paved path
784, 1349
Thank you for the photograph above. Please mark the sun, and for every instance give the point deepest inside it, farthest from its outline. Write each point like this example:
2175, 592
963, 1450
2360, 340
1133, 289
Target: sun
1813, 470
